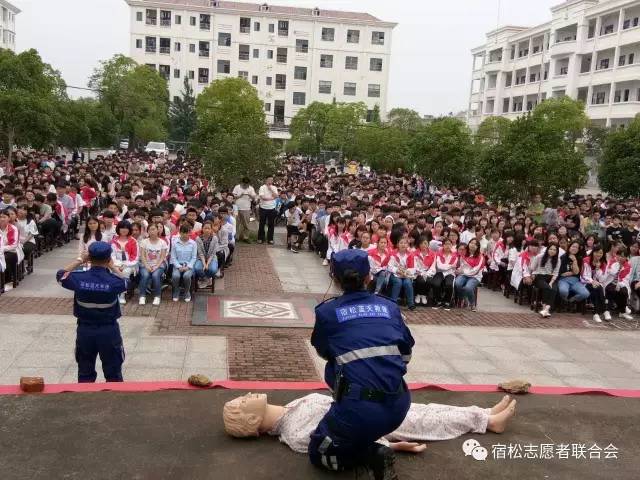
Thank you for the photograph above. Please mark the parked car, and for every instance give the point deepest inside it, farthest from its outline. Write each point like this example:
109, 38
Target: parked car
124, 144
157, 148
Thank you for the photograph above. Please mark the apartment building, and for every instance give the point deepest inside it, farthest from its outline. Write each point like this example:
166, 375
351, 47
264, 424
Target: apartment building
590, 51
8, 14
293, 56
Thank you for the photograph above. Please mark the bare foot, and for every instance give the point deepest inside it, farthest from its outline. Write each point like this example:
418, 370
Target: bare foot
501, 405
498, 422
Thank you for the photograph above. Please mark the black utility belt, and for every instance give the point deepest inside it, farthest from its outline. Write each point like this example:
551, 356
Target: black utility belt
357, 392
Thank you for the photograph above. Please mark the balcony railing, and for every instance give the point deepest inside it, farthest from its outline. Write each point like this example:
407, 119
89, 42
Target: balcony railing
151, 21
279, 126
165, 50
281, 58
281, 85
204, 53
203, 79
149, 49
245, 29
205, 26
165, 23
243, 55
283, 32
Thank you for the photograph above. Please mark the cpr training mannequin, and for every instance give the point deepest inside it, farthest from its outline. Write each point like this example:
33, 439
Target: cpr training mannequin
251, 415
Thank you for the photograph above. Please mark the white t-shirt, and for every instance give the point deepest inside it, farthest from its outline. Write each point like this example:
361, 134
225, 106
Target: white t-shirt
268, 191
293, 218
244, 196
154, 250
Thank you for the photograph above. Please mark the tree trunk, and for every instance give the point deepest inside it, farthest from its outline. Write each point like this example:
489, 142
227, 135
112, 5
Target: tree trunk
10, 138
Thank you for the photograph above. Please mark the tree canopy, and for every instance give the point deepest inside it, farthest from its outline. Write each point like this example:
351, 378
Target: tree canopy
182, 114
404, 119
619, 172
137, 98
231, 134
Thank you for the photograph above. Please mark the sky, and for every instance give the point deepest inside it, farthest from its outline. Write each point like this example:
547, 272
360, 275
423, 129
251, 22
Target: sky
430, 56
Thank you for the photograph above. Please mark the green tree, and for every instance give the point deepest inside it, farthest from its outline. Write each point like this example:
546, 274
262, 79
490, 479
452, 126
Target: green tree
491, 131
84, 123
538, 154
405, 119
309, 127
136, 96
443, 152
619, 172
30, 94
182, 114
344, 121
231, 134
383, 148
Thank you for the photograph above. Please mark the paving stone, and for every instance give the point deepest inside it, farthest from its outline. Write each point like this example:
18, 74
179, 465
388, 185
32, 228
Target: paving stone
207, 344
585, 381
155, 360
34, 359
11, 376
209, 359
565, 369
162, 344
428, 377
133, 374
431, 366
212, 373
473, 366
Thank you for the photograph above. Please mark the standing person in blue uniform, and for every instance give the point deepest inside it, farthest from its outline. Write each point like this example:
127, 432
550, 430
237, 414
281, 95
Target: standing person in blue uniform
95, 305
367, 347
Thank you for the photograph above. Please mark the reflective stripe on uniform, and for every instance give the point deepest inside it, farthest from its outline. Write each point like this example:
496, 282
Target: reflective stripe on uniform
406, 358
324, 445
96, 305
324, 462
367, 353
334, 463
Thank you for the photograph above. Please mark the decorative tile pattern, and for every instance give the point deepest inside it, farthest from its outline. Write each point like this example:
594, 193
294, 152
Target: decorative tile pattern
258, 309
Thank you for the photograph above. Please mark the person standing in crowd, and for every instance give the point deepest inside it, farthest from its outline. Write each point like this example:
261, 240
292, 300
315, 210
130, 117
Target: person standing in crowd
244, 195
95, 305
184, 253
268, 195
153, 257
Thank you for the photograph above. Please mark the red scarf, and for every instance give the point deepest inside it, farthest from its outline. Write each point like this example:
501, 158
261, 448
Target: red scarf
452, 261
410, 262
131, 247
473, 262
624, 271
426, 259
383, 261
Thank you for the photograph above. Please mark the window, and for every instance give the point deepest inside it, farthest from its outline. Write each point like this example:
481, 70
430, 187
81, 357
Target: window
139, 16
564, 70
165, 46
375, 64
205, 21
299, 98
377, 38
269, 80
204, 48
245, 25
191, 74
267, 107
177, 46
283, 28
165, 18
351, 63
224, 39
254, 79
533, 77
302, 46
139, 43
604, 64
326, 61
536, 49
152, 17
281, 81
349, 88
324, 86
374, 90
150, 44
272, 28
598, 98
270, 54
592, 31
282, 55
224, 66
176, 73
607, 30
300, 73
621, 60
243, 74
256, 53
626, 24
256, 26
353, 36
328, 34
203, 75
164, 71
178, 20
626, 95
243, 52
631, 58
192, 21
192, 48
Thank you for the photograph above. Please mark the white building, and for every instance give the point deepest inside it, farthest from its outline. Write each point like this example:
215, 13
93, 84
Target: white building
590, 50
8, 14
293, 56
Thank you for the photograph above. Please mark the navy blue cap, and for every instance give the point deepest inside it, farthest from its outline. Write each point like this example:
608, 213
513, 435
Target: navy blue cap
352, 259
99, 251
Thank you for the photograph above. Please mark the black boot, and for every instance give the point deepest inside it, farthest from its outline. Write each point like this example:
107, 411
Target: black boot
380, 460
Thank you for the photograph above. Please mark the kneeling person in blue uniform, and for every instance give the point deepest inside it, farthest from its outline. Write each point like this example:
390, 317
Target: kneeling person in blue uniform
367, 347
96, 306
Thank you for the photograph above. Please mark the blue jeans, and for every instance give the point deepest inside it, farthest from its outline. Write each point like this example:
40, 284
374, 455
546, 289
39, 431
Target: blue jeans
398, 284
382, 279
176, 275
156, 281
572, 285
465, 288
211, 271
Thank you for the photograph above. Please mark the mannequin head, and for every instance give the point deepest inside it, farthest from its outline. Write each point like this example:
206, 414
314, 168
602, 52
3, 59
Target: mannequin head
243, 415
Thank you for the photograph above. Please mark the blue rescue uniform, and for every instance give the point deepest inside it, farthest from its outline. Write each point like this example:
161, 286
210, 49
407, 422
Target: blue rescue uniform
96, 306
367, 347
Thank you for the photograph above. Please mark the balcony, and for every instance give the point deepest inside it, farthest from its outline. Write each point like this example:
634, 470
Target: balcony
165, 50
243, 56
165, 22
281, 58
204, 53
563, 48
150, 49
245, 29
281, 85
151, 21
205, 26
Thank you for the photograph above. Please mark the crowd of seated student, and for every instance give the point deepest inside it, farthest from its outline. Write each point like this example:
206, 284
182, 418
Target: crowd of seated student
435, 248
